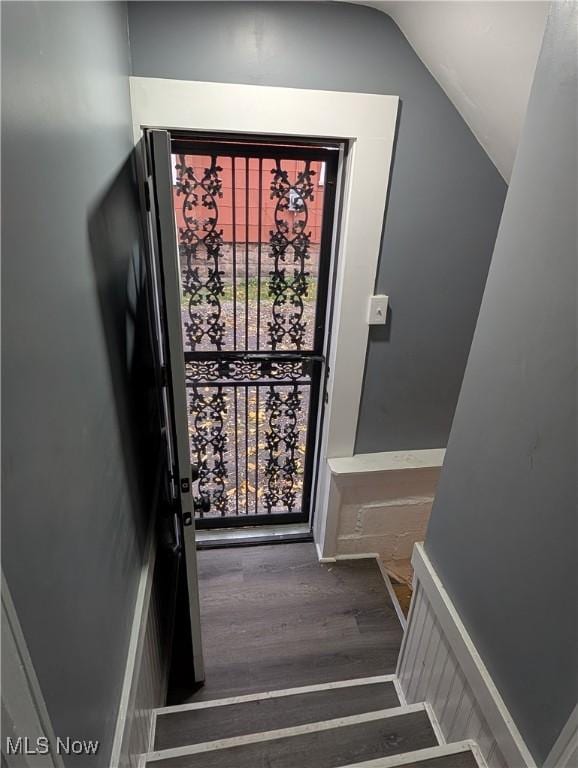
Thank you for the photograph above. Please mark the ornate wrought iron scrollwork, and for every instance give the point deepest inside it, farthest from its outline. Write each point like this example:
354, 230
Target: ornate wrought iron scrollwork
202, 371
208, 433
246, 261
281, 441
289, 241
202, 283
244, 370
248, 371
293, 369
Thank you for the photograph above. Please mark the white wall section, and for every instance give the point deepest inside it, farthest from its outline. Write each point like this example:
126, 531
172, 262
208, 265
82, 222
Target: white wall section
381, 502
483, 55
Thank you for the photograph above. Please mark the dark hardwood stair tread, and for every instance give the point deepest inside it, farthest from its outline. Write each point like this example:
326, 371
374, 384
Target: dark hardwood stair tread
194, 726
332, 748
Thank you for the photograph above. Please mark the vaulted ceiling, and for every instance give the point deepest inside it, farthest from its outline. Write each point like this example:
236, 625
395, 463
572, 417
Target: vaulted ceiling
483, 55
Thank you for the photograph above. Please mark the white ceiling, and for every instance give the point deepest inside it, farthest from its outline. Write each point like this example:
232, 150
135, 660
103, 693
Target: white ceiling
483, 54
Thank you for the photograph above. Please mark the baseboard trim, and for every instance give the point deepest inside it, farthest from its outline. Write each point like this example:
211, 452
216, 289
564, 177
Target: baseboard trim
392, 595
439, 664
353, 556
437, 729
320, 556
133, 729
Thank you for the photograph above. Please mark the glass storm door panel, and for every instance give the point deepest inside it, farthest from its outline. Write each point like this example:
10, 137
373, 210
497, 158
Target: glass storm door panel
254, 226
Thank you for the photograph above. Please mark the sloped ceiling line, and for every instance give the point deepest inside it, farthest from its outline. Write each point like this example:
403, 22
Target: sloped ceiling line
483, 55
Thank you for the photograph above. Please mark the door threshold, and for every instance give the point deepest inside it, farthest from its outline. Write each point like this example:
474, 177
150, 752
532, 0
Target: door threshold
247, 537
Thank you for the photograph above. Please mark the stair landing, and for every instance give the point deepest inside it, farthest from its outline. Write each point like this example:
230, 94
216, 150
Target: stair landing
300, 662
274, 617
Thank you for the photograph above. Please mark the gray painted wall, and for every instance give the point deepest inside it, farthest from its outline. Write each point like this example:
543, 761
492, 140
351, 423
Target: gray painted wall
503, 531
72, 520
445, 201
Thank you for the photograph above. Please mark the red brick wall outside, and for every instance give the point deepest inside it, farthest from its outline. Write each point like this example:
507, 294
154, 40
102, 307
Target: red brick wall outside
225, 203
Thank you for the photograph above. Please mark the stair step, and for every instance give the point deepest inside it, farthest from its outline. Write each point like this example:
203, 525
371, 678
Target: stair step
211, 721
328, 744
456, 755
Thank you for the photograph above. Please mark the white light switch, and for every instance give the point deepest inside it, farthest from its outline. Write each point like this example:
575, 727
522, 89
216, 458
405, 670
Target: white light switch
377, 310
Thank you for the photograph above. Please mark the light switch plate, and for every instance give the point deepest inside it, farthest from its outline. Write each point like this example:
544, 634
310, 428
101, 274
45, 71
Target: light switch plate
377, 310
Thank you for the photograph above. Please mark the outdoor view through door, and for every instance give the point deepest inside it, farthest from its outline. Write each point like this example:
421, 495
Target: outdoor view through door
254, 226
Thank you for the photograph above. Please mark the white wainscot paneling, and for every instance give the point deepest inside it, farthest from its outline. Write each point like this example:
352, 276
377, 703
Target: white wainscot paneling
438, 664
146, 673
382, 502
150, 687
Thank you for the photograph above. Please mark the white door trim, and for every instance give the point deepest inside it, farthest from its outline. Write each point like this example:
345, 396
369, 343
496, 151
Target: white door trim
368, 123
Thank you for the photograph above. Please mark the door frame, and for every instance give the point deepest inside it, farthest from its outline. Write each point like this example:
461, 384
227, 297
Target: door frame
367, 122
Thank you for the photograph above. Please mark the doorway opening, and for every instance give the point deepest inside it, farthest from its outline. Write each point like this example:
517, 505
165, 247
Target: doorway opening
254, 226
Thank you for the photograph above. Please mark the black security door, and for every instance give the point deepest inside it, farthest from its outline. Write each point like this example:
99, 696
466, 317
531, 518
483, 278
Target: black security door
254, 223
164, 291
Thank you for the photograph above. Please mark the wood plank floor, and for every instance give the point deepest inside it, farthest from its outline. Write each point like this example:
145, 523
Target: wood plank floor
273, 617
